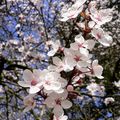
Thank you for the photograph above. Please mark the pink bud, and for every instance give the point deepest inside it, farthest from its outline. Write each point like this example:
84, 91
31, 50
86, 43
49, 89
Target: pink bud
70, 88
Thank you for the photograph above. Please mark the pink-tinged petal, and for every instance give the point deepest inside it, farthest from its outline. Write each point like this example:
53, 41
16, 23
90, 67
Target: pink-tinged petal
74, 46
49, 102
28, 75
63, 95
54, 95
66, 104
24, 84
36, 74
67, 52
98, 71
90, 44
63, 82
98, 33
34, 89
58, 111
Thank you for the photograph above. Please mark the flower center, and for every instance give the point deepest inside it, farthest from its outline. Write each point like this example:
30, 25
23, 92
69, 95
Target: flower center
77, 58
33, 82
47, 82
58, 101
80, 45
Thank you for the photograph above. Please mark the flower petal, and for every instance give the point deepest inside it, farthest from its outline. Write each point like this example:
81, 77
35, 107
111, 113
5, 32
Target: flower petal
79, 39
58, 111
74, 46
57, 61
23, 84
63, 95
50, 102
34, 90
28, 75
66, 104
98, 71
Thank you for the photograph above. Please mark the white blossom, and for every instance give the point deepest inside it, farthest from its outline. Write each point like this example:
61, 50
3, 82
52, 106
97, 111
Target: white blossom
100, 16
54, 47
101, 36
109, 100
117, 84
52, 81
96, 89
31, 80
73, 11
29, 102
81, 43
58, 102
63, 117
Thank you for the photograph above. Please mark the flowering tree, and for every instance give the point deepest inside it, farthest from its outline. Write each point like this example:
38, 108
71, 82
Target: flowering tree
49, 56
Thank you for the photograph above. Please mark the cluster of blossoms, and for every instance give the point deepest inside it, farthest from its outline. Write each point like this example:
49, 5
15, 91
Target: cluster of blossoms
52, 83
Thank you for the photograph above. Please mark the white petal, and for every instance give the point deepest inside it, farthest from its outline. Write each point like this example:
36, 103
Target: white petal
74, 46
63, 95
50, 102
95, 63
70, 62
91, 24
28, 75
66, 104
56, 85
79, 39
82, 64
63, 117
63, 82
36, 74
61, 90
79, 3
57, 61
51, 53
67, 52
90, 44
24, 84
98, 33
58, 111
84, 51
106, 41
34, 90
98, 71
52, 68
